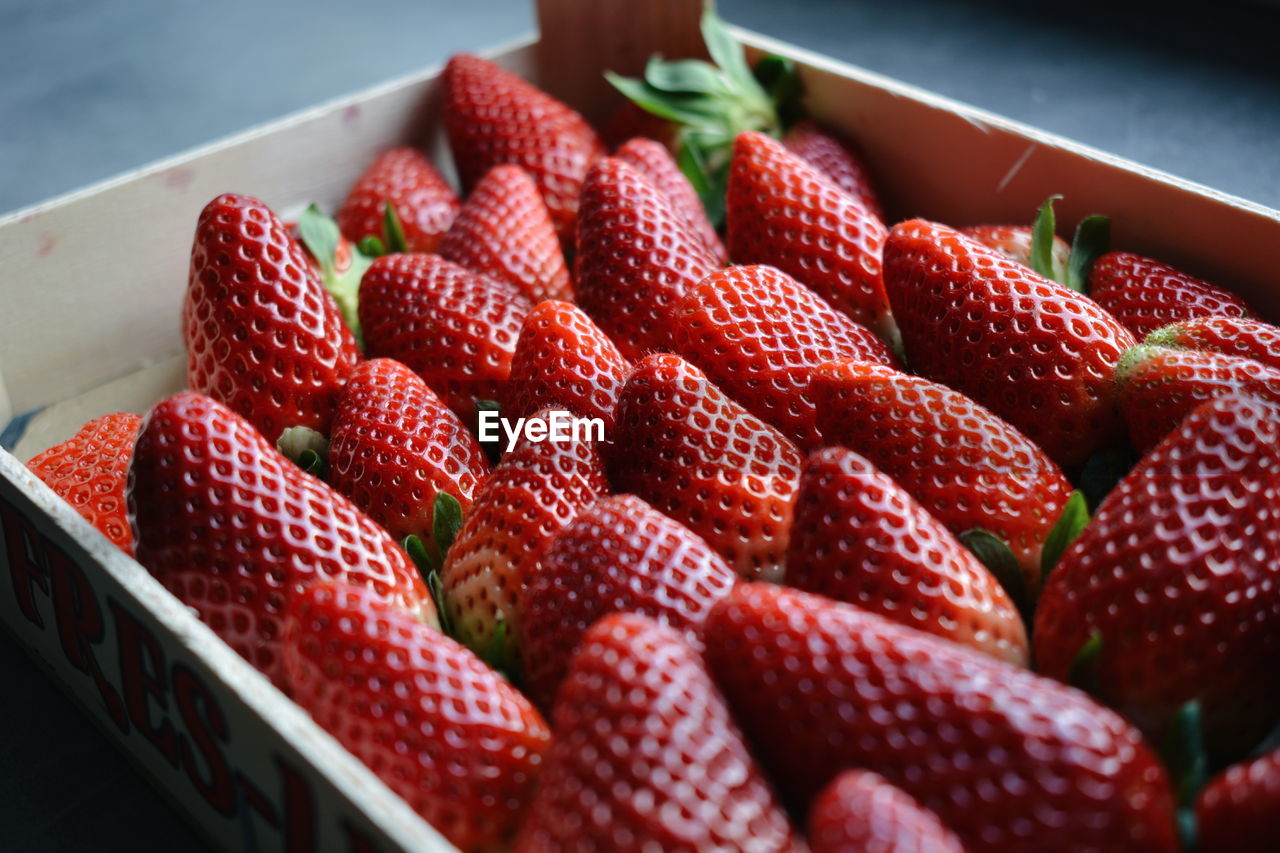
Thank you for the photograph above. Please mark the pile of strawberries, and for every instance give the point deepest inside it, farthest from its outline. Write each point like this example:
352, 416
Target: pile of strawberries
833, 565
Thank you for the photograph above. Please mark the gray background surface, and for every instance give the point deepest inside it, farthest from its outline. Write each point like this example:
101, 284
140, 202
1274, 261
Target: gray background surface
90, 89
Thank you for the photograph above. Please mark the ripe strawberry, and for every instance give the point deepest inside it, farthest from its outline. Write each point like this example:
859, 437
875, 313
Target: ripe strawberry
454, 328
236, 531
1014, 242
505, 232
444, 731
1238, 336
1145, 294
783, 212
618, 555
403, 178
836, 160
88, 471
646, 756
494, 117
1036, 353
562, 360
860, 811
636, 258
537, 488
1008, 760
758, 334
966, 466
654, 161
1159, 387
1176, 575
682, 445
1239, 810
396, 445
858, 537
262, 335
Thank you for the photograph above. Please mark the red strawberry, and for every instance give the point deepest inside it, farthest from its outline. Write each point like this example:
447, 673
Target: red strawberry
783, 212
654, 161
1008, 760
262, 335
1238, 336
968, 467
1145, 294
1014, 242
858, 537
618, 555
1239, 810
636, 258
836, 160
504, 231
396, 445
444, 731
758, 334
562, 360
1159, 387
454, 328
537, 488
89, 470
646, 756
404, 178
1036, 353
1177, 574
236, 531
704, 460
860, 811
494, 117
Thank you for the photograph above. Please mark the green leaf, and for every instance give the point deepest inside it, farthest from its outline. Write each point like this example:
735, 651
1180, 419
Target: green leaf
687, 109
304, 447
417, 551
1091, 241
1083, 672
446, 521
1103, 471
780, 79
1042, 234
371, 247
710, 184
496, 654
320, 235
1074, 517
685, 76
436, 588
726, 52
312, 463
993, 553
1184, 752
392, 230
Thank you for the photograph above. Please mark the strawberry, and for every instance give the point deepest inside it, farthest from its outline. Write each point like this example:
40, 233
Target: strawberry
403, 179
396, 446
682, 445
1008, 760
494, 117
454, 328
440, 728
88, 471
1175, 577
236, 531
783, 212
1036, 353
1159, 387
505, 232
857, 537
537, 488
758, 334
564, 361
262, 335
1238, 336
636, 258
836, 160
1239, 810
621, 555
859, 810
647, 757
1145, 294
653, 161
1014, 242
966, 466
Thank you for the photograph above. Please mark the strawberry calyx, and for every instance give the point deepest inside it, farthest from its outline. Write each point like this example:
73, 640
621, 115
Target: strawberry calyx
994, 553
1072, 520
1187, 761
1083, 672
306, 448
321, 237
446, 521
1168, 337
1091, 240
1132, 359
